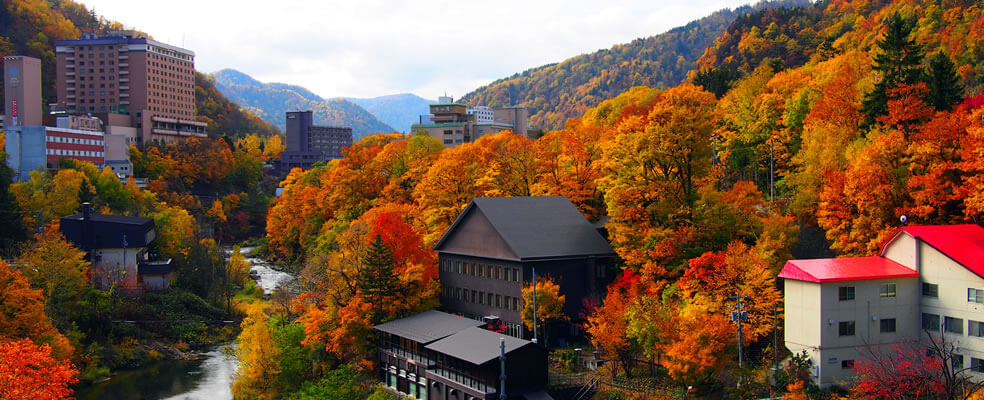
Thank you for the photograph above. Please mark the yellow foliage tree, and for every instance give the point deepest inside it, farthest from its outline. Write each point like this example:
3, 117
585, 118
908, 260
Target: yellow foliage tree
256, 352
549, 304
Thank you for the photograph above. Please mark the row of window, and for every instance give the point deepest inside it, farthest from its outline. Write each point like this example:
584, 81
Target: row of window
60, 139
79, 153
846, 328
482, 298
845, 293
482, 270
931, 322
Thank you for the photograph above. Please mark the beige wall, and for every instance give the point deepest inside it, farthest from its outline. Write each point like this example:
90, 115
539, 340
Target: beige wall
814, 312
953, 280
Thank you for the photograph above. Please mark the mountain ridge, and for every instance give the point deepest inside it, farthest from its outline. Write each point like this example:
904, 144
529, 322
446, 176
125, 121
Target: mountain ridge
559, 91
270, 101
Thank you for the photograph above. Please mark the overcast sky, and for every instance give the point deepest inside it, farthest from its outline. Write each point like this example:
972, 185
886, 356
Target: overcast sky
368, 48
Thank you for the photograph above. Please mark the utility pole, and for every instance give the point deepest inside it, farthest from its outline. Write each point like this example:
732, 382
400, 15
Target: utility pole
502, 369
534, 305
772, 172
739, 316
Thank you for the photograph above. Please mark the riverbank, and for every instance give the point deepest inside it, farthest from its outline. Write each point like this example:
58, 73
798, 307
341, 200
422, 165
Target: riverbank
203, 374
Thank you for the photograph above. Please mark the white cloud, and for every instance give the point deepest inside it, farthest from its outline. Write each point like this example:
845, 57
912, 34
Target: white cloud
375, 47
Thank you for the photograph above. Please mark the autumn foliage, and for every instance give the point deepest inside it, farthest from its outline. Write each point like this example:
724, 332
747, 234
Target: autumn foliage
30, 372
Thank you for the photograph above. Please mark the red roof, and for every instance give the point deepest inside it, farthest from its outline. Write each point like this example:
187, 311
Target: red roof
963, 243
845, 269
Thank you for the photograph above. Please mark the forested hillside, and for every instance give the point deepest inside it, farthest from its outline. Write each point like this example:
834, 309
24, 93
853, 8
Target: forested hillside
791, 37
31, 27
557, 92
271, 101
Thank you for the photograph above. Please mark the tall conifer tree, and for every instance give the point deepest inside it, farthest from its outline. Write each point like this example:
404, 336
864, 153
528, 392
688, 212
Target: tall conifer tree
377, 280
898, 62
944, 84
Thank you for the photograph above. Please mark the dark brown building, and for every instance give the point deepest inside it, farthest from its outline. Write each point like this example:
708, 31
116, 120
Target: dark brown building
308, 143
439, 356
494, 246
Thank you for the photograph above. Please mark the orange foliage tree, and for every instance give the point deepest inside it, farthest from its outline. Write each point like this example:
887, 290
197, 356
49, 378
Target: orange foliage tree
30, 372
22, 313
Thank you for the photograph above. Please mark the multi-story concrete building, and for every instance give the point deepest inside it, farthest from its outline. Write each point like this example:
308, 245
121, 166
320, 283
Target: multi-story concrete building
128, 73
926, 280
22, 91
308, 143
454, 123
496, 245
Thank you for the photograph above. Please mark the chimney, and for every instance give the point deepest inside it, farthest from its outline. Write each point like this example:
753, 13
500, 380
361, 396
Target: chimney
86, 211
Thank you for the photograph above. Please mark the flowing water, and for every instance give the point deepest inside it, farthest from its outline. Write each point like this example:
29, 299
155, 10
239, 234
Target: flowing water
208, 378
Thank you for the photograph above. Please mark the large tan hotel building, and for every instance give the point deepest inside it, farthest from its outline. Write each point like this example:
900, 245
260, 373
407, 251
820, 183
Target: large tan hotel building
129, 73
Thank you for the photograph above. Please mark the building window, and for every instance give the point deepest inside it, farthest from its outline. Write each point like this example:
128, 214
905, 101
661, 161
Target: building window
490, 299
491, 271
498, 301
515, 303
975, 328
481, 298
956, 361
845, 328
473, 296
976, 364
847, 364
887, 325
845, 293
887, 290
975, 295
953, 325
930, 290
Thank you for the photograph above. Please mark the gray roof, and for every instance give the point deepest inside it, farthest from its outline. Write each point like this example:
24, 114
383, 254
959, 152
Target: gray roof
476, 345
538, 227
427, 326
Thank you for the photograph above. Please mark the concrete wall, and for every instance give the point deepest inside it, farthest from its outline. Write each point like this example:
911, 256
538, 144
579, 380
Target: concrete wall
22, 84
815, 325
953, 281
25, 148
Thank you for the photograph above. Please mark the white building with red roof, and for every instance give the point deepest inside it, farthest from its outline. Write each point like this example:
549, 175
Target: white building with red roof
925, 280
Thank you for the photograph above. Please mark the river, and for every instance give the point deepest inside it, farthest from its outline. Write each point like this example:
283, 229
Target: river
210, 377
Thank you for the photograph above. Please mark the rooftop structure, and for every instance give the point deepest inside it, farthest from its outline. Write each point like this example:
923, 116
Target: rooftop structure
456, 123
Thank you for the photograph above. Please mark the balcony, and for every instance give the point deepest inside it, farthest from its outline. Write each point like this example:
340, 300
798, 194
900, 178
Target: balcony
124, 79
124, 56
124, 94
124, 72
70, 58
124, 101
404, 354
70, 103
70, 73
163, 131
71, 82
464, 380
70, 95
124, 65
124, 87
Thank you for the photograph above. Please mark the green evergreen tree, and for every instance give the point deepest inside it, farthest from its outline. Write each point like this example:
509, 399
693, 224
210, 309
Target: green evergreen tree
717, 80
13, 231
897, 63
376, 279
944, 84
